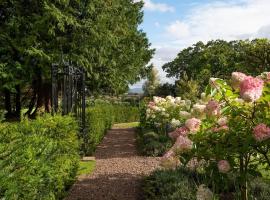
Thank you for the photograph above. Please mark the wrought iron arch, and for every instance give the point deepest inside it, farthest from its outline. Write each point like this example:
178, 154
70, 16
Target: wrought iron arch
68, 91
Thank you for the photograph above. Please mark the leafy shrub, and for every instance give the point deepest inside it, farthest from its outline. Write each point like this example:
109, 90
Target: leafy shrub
151, 143
39, 158
101, 117
170, 185
181, 184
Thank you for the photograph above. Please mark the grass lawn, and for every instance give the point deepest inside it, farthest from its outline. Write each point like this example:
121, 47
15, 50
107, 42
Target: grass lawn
127, 125
86, 167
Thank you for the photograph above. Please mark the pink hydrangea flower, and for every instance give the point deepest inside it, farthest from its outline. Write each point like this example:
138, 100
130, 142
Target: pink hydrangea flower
261, 132
182, 144
224, 166
237, 78
251, 89
193, 124
212, 108
179, 131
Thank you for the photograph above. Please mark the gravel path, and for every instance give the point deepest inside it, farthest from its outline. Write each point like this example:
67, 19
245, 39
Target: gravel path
118, 171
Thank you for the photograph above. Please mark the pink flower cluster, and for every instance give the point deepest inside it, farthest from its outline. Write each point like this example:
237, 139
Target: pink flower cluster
224, 166
251, 89
212, 108
193, 124
183, 131
261, 132
182, 144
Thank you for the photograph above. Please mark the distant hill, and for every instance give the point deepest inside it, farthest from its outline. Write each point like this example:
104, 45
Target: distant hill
136, 90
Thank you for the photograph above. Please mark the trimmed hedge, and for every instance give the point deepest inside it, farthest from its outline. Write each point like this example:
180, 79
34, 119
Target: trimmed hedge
38, 159
101, 117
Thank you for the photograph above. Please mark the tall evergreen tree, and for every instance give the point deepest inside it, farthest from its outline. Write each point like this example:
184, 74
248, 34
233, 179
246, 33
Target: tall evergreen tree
101, 36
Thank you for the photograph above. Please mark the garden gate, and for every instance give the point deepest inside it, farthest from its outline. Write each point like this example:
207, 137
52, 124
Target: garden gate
68, 91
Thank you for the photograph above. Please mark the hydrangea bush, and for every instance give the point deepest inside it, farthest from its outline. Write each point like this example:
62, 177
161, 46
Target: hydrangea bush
225, 134
162, 112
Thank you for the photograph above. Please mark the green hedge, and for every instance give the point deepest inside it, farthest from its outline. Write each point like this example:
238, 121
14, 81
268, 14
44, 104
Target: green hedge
39, 158
101, 117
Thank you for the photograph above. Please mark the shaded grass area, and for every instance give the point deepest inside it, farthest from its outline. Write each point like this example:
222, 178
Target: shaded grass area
126, 125
86, 167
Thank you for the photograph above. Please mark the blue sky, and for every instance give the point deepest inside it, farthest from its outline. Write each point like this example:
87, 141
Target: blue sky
172, 25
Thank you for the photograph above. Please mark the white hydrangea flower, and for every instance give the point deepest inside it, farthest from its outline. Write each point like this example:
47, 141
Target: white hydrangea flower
175, 123
177, 100
200, 108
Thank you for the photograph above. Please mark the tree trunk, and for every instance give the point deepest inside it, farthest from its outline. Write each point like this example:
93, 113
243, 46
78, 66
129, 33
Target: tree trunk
47, 97
8, 103
18, 101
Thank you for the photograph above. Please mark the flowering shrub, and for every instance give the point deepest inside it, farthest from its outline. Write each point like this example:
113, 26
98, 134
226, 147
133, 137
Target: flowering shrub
228, 129
163, 111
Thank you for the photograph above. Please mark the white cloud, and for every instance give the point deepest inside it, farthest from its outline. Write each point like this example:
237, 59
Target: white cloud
162, 7
220, 20
178, 29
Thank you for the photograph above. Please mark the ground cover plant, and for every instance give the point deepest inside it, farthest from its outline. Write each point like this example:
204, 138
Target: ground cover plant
224, 134
39, 158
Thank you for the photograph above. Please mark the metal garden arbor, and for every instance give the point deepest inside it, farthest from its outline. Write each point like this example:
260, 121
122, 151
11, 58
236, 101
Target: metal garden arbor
68, 91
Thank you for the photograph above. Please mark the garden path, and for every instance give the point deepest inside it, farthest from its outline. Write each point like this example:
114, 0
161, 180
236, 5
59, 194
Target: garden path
118, 172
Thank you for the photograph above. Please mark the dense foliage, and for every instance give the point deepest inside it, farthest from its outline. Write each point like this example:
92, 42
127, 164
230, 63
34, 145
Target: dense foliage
101, 36
101, 117
151, 143
183, 184
219, 59
38, 159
